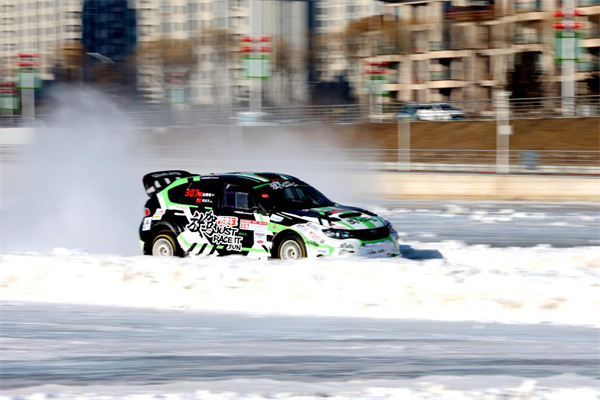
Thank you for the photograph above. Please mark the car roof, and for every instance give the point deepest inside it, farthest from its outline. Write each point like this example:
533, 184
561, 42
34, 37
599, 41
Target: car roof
253, 179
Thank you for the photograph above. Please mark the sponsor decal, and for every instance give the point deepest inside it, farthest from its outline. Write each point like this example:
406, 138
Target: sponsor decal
253, 225
197, 193
276, 218
372, 252
147, 223
204, 201
313, 236
282, 184
151, 190
313, 227
180, 208
218, 230
337, 226
260, 238
159, 213
367, 219
231, 221
352, 222
165, 174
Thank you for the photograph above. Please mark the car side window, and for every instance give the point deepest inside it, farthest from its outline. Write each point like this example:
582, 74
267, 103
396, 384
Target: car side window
176, 194
237, 197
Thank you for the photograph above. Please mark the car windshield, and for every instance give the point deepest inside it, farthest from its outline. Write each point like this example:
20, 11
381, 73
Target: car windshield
444, 106
290, 196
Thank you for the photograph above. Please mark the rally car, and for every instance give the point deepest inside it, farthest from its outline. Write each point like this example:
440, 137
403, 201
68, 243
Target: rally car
259, 215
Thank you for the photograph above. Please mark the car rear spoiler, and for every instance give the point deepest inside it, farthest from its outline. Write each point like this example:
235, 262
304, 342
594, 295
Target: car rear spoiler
154, 182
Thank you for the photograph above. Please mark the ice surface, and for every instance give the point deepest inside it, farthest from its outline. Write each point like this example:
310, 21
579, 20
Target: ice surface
473, 283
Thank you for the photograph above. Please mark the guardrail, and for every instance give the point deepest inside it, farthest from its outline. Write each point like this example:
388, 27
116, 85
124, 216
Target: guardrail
524, 162
543, 107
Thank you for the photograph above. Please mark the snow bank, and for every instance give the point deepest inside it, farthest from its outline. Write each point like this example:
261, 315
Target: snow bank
521, 285
565, 387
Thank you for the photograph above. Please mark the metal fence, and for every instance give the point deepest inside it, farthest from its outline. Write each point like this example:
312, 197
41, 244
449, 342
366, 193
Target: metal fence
547, 107
535, 162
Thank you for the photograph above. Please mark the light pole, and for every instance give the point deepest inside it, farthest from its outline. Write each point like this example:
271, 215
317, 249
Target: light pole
567, 50
255, 32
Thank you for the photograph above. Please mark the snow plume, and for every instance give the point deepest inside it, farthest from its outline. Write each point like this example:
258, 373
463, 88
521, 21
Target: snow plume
78, 185
313, 153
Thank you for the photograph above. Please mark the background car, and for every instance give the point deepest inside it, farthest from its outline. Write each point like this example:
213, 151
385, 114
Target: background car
430, 112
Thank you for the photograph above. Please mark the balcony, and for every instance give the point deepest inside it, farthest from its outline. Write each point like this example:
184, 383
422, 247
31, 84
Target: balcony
590, 66
591, 33
446, 75
437, 46
528, 6
471, 13
528, 38
587, 3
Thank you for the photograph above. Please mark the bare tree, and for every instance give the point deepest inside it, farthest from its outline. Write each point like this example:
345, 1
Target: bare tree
70, 60
220, 47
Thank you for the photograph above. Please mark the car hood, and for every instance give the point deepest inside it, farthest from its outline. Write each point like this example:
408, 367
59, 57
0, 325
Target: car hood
340, 217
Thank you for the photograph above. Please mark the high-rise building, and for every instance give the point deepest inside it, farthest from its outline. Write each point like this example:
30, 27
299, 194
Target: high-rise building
38, 27
109, 29
212, 29
332, 18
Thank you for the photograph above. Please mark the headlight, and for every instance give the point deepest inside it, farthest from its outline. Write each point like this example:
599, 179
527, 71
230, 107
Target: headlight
389, 226
337, 233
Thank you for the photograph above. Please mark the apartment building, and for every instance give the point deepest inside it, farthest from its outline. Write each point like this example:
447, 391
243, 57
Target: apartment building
39, 27
214, 72
464, 49
210, 31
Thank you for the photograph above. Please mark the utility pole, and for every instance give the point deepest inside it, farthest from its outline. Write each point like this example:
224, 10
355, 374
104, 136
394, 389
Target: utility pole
255, 32
567, 50
568, 65
503, 132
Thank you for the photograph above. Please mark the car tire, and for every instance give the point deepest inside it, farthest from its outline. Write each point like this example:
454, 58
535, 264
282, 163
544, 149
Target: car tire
165, 244
291, 248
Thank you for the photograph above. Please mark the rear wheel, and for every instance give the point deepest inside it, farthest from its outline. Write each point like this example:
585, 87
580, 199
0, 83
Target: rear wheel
165, 245
291, 248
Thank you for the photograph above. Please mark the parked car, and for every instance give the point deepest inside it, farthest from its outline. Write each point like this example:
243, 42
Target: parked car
454, 112
430, 112
259, 215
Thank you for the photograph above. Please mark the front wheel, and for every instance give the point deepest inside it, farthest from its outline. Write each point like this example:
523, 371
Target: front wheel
165, 245
291, 249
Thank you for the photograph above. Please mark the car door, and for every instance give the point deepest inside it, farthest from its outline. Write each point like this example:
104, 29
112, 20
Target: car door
425, 113
198, 202
246, 231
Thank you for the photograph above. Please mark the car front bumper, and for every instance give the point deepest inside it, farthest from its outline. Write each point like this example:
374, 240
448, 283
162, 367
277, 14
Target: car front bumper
384, 248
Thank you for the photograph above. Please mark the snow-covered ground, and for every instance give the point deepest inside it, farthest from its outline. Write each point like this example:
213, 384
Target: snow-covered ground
476, 283
431, 388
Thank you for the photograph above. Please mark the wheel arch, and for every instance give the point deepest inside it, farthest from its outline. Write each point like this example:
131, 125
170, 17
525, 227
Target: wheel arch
281, 236
157, 229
